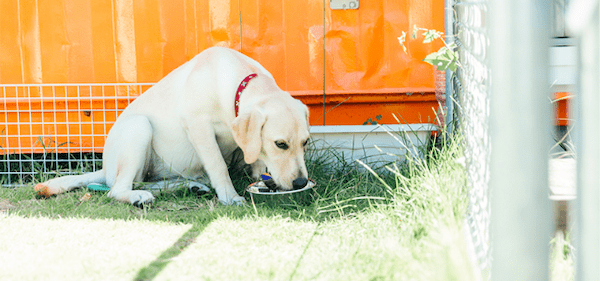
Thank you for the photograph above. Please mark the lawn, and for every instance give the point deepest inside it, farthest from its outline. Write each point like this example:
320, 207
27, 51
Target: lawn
403, 224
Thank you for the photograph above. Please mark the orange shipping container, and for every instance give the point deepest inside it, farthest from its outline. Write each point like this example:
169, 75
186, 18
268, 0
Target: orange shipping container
346, 65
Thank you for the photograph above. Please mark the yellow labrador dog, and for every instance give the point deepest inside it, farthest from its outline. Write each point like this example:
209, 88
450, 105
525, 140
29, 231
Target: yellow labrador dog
190, 123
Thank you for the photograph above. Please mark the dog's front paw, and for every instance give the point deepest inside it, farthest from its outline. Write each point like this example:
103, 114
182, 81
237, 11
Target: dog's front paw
139, 198
239, 201
236, 200
198, 188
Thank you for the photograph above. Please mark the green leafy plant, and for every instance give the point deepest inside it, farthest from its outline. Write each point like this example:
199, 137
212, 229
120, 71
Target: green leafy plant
444, 58
371, 121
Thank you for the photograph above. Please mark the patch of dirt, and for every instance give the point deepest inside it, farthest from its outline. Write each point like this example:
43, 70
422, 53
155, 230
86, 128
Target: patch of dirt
5, 205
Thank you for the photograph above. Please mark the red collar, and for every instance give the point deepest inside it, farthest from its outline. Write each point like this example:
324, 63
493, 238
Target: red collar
241, 88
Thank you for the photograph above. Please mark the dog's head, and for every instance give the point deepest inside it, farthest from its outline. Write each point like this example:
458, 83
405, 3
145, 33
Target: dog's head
276, 132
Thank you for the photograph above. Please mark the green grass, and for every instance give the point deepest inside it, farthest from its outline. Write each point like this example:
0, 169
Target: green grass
403, 223
561, 258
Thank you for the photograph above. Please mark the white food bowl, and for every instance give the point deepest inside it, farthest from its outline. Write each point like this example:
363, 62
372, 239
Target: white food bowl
261, 188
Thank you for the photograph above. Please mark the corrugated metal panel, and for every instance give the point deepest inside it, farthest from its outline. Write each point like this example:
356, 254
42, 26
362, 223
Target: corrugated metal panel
141, 41
361, 63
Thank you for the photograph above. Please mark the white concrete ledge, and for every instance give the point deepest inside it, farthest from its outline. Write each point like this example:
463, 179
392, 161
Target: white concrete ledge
373, 143
334, 129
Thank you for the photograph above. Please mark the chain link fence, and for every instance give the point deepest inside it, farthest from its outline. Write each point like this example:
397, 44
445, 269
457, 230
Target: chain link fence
471, 93
57, 129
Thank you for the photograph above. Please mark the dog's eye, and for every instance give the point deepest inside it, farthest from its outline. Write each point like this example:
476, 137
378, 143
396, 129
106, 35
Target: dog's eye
305, 142
281, 144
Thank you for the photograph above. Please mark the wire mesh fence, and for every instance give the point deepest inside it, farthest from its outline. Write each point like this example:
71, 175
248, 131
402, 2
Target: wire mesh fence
471, 88
51, 129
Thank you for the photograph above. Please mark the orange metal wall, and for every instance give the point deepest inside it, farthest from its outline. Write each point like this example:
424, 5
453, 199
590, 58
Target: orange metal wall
141, 41
361, 63
561, 108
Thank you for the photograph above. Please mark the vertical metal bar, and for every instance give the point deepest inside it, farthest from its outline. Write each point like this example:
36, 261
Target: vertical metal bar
587, 137
19, 134
32, 140
104, 121
241, 28
56, 131
68, 127
324, 65
104, 101
520, 122
9, 148
449, 32
44, 170
6, 150
79, 123
92, 134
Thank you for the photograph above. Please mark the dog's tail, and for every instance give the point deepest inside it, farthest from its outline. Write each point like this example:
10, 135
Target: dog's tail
67, 183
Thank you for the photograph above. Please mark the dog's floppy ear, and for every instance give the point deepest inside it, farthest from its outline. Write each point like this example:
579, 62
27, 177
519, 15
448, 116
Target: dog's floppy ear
304, 108
247, 130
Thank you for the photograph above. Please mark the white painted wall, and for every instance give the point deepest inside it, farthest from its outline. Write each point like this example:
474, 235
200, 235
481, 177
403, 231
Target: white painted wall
563, 68
358, 142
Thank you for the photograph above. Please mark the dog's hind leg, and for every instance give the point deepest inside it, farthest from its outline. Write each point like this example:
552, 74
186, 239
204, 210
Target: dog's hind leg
126, 159
67, 183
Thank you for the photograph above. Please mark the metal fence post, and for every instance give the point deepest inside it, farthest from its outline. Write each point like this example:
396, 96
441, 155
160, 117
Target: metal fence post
520, 129
449, 32
588, 166
584, 20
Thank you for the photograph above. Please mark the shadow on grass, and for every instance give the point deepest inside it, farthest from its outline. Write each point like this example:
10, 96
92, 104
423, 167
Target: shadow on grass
335, 195
154, 268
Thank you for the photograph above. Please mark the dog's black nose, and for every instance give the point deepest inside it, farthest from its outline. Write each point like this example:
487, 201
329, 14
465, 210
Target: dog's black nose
299, 183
